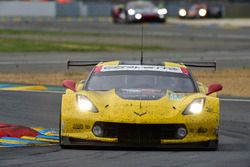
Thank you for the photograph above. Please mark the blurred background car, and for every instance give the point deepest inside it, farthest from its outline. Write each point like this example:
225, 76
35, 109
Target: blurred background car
201, 10
138, 11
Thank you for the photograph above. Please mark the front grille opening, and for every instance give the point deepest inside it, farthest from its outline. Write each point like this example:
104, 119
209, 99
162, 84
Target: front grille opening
139, 133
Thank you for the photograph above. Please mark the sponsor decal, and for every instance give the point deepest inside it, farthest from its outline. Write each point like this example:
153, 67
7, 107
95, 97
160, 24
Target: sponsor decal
174, 96
139, 68
185, 70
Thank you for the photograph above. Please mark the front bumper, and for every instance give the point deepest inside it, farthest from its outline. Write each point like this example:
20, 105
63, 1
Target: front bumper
80, 125
142, 135
147, 18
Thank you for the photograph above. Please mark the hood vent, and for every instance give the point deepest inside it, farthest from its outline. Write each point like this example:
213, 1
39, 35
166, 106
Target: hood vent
141, 94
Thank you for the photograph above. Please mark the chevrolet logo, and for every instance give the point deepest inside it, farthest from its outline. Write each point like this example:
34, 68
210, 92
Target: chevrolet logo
140, 114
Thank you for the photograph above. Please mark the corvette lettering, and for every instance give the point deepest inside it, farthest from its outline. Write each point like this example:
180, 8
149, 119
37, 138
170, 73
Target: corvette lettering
140, 114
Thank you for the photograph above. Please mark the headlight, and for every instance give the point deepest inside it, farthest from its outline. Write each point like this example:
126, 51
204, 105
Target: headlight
84, 104
162, 11
131, 12
138, 16
182, 12
195, 107
202, 12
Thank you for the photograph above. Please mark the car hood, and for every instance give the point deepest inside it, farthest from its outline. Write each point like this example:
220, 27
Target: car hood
140, 94
147, 11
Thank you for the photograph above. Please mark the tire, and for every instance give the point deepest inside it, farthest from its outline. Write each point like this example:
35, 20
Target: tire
115, 21
213, 145
63, 145
219, 15
60, 129
162, 21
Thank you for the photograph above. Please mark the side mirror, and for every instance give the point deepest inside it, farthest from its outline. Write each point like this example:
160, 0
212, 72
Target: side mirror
69, 84
214, 88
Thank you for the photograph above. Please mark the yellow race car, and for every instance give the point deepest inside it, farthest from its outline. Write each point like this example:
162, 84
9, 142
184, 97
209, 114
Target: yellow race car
128, 104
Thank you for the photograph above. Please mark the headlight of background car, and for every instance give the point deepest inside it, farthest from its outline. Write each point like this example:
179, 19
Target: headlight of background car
182, 12
131, 12
162, 11
138, 16
202, 12
84, 104
195, 107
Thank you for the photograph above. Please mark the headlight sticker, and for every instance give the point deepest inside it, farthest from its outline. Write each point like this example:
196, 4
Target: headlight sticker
174, 96
84, 104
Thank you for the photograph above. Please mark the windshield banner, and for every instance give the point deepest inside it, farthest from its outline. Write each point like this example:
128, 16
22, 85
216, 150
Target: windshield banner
140, 68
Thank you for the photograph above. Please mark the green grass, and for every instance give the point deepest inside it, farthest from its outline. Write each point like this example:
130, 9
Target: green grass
26, 45
55, 33
17, 42
21, 45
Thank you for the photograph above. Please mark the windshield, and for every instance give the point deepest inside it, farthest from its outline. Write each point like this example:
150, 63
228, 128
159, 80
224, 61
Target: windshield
140, 80
141, 5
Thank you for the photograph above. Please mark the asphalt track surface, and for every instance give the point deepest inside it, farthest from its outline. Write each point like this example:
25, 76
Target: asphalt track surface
42, 109
228, 46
